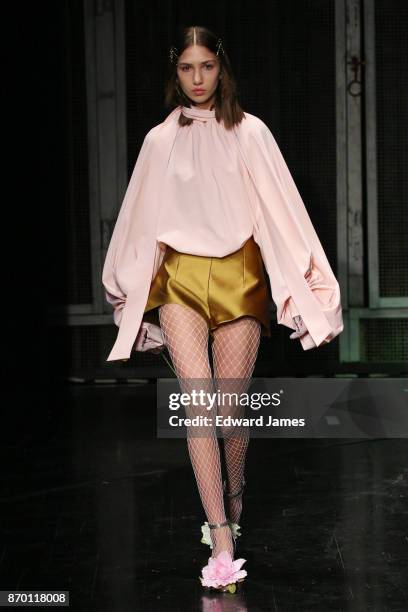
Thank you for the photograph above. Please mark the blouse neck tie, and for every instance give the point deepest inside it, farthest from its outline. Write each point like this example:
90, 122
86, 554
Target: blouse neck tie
202, 114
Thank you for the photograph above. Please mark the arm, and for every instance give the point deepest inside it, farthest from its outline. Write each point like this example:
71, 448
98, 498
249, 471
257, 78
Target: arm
302, 281
115, 290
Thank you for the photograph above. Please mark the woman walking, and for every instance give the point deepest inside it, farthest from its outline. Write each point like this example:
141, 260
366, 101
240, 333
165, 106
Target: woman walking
210, 202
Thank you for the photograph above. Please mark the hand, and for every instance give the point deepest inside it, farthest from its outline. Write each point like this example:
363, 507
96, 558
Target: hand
300, 326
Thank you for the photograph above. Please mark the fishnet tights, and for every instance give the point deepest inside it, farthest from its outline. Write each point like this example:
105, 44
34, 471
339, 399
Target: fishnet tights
234, 350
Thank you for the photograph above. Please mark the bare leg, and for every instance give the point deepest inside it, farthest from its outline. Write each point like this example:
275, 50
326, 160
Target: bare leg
185, 334
235, 348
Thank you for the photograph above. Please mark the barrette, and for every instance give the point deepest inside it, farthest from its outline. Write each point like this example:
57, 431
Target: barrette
173, 53
220, 47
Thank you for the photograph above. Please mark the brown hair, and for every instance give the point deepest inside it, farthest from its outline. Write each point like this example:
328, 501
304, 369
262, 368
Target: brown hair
227, 107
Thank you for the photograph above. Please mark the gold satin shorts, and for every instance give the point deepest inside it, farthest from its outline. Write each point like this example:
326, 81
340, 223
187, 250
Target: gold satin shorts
220, 289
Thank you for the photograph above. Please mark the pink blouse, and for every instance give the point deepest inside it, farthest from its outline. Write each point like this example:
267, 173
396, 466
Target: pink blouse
206, 209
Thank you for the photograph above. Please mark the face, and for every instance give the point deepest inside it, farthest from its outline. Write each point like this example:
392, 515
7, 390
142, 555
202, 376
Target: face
198, 68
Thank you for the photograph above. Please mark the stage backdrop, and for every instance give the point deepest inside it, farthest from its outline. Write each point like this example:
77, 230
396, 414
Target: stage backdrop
328, 78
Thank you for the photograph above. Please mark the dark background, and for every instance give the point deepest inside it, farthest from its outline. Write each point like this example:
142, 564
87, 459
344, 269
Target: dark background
90, 500
283, 56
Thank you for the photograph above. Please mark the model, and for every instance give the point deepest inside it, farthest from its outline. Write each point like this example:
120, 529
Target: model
210, 202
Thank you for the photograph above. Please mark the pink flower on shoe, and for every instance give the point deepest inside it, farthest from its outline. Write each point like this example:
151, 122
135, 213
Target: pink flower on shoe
222, 570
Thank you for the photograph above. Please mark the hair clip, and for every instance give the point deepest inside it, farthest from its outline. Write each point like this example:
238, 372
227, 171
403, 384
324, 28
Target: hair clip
173, 53
219, 46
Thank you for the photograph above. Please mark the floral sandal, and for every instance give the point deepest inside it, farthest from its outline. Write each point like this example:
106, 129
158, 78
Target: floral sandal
222, 573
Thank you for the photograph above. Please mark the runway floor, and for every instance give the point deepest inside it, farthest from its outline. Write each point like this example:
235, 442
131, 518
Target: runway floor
93, 503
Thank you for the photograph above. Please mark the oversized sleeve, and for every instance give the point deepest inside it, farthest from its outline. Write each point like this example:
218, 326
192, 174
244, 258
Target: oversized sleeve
302, 281
116, 287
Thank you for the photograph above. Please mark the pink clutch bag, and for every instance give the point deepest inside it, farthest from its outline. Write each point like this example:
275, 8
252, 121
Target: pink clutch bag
149, 338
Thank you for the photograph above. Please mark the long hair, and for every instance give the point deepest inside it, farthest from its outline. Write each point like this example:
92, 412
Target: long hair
227, 107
